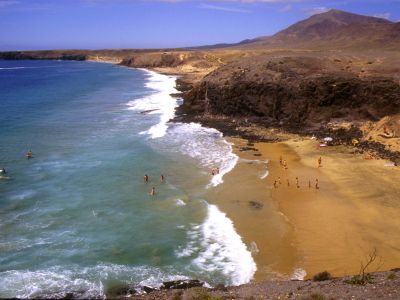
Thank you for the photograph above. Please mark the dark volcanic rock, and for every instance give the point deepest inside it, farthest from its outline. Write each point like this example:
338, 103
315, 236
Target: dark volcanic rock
181, 284
292, 92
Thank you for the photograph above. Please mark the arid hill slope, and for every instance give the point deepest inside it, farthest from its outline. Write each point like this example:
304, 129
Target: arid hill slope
334, 29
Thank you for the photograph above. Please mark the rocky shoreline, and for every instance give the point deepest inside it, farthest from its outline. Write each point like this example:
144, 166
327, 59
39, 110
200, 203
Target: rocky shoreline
380, 285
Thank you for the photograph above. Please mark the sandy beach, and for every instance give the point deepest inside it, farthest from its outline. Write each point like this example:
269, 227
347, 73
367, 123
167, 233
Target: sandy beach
333, 228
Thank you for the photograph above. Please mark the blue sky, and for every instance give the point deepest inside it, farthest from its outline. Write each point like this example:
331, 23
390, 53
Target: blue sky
98, 24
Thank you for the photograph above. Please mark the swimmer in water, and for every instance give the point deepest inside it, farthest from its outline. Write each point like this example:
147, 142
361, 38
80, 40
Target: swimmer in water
162, 178
153, 191
29, 154
146, 178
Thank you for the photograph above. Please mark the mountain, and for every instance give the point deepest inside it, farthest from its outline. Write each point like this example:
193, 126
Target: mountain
334, 29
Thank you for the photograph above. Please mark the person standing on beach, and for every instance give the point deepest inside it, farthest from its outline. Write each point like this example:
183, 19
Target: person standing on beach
319, 162
316, 184
146, 178
275, 184
280, 160
297, 182
287, 180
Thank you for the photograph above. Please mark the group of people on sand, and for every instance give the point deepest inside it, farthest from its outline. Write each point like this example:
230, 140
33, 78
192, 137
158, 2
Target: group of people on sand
3, 172
214, 171
146, 179
283, 164
278, 182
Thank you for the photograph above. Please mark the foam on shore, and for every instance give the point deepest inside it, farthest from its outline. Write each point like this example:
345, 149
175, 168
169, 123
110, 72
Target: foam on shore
206, 145
160, 102
216, 248
82, 283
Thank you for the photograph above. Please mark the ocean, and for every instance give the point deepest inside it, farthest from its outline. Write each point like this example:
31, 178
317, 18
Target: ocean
78, 217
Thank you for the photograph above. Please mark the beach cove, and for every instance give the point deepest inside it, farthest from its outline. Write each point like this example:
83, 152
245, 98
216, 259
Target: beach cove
229, 228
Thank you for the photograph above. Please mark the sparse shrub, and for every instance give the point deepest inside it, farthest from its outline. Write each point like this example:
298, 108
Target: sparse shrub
322, 276
363, 277
391, 276
360, 279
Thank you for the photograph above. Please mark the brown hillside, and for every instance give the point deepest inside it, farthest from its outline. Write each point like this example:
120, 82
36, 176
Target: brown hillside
334, 29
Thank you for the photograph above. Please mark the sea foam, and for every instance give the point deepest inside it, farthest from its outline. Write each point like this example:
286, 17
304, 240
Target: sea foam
160, 102
81, 282
206, 145
216, 248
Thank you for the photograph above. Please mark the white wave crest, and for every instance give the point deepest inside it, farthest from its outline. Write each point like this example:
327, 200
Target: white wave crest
161, 102
206, 145
81, 282
18, 68
216, 247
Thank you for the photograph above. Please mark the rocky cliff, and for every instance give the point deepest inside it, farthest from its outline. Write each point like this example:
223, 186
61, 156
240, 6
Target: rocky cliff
293, 92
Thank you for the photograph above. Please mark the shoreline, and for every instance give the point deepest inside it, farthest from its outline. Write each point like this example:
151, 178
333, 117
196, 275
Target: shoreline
273, 138
333, 228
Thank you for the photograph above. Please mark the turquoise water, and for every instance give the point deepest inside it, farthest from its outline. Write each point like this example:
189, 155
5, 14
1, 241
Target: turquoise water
78, 217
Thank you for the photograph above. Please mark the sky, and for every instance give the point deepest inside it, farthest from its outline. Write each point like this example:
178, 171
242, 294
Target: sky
101, 24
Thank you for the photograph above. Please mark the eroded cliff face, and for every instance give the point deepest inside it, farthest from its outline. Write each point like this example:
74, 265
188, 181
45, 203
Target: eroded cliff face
292, 92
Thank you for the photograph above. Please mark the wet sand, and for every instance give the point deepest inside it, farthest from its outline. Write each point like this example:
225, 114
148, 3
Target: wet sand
334, 228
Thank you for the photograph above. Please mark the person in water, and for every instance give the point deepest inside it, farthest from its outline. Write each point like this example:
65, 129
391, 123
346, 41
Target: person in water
162, 178
29, 154
153, 191
146, 178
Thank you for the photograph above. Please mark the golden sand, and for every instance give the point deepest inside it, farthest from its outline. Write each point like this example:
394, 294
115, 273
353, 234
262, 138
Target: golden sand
333, 228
